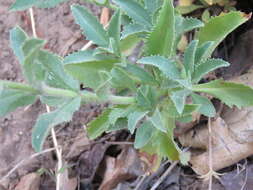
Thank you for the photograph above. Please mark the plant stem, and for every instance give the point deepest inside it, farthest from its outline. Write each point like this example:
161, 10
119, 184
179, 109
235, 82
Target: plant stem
18, 86
87, 97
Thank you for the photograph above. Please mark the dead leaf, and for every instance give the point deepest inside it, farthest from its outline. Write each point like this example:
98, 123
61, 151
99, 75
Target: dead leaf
81, 143
89, 162
235, 180
126, 166
29, 182
67, 183
105, 14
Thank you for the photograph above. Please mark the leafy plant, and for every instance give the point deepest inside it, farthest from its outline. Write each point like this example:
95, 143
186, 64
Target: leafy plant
150, 95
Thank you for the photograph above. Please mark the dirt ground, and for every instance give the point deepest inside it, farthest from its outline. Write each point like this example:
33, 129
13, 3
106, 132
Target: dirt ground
90, 164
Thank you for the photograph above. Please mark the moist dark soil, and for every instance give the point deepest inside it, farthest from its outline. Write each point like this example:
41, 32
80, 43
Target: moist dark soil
89, 162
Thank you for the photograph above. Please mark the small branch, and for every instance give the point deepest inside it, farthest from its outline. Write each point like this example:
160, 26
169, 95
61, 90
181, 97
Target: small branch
33, 22
210, 153
58, 151
166, 173
87, 97
22, 162
140, 182
18, 86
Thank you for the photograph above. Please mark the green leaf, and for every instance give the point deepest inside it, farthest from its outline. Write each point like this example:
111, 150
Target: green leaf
128, 44
33, 71
219, 27
189, 57
135, 11
121, 79
120, 124
12, 99
202, 52
114, 30
153, 5
167, 66
53, 101
142, 75
143, 135
156, 120
21, 5
188, 110
119, 112
85, 67
57, 77
131, 29
99, 125
228, 92
184, 25
206, 67
49, 3
17, 39
179, 98
161, 39
166, 146
134, 118
146, 97
47, 121
206, 107
93, 30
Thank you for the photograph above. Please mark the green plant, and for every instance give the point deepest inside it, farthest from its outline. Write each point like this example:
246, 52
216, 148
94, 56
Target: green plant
150, 95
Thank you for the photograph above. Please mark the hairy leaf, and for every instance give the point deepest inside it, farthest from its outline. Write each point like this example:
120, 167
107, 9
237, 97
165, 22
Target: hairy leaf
206, 106
139, 73
186, 24
219, 27
202, 52
206, 67
12, 99
119, 112
153, 5
17, 39
57, 77
131, 29
93, 30
99, 125
114, 28
21, 5
166, 146
179, 98
33, 71
146, 97
143, 134
120, 124
121, 79
135, 11
47, 121
161, 39
189, 57
134, 118
156, 120
229, 93
85, 67
167, 66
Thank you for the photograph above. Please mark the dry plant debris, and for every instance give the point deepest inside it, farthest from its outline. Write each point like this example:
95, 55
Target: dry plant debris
232, 136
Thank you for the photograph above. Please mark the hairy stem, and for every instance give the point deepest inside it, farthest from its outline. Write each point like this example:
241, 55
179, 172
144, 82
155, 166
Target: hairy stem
87, 97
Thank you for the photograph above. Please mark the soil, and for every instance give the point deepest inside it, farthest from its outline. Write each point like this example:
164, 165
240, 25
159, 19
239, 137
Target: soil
87, 160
